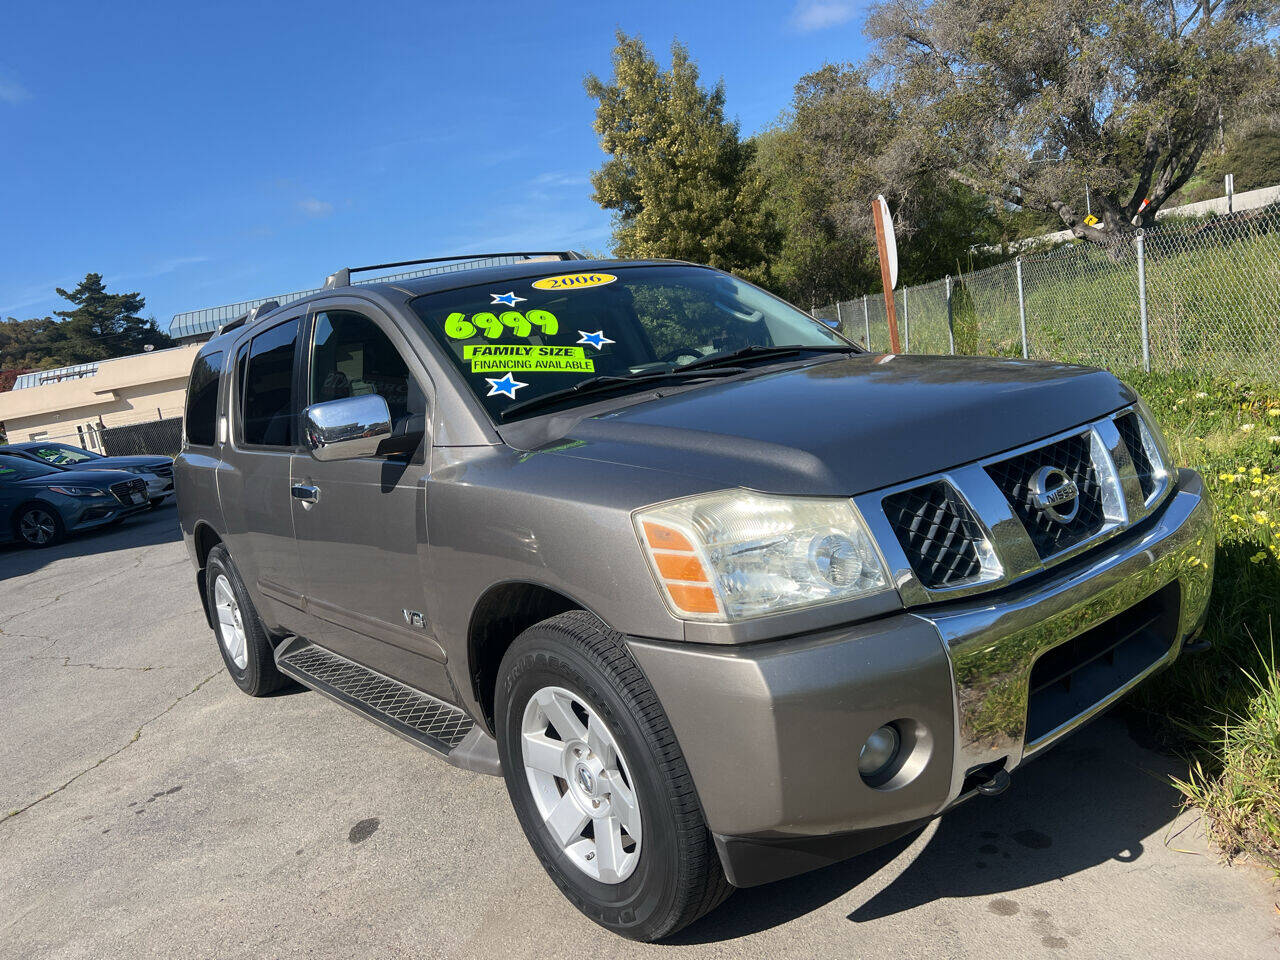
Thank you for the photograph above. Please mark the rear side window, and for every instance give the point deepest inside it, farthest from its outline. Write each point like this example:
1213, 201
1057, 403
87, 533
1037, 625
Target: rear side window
202, 399
266, 376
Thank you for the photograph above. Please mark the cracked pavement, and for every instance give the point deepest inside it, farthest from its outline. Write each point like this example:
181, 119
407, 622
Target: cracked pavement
149, 809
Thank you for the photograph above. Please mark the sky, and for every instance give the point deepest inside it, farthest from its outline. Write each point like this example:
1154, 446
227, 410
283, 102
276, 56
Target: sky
204, 154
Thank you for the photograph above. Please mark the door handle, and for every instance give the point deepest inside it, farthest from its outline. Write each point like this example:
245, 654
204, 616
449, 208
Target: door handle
308, 494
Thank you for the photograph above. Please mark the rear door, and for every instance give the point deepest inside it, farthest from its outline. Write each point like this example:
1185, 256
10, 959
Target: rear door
361, 541
254, 485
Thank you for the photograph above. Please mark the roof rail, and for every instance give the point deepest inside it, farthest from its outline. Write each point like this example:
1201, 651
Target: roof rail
342, 277
246, 318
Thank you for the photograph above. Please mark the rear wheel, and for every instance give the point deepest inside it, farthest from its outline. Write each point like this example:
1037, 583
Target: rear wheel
38, 525
599, 783
242, 639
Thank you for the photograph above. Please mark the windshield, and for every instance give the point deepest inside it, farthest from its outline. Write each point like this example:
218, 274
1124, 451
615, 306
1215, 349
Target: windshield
18, 468
60, 453
520, 339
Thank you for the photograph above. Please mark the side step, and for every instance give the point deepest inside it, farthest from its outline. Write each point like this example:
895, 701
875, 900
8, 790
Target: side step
420, 718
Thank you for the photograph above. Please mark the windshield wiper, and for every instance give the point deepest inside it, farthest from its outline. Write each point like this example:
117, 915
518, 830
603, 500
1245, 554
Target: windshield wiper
609, 381
756, 351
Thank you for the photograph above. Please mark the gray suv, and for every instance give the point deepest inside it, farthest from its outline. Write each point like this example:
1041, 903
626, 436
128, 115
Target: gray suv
721, 596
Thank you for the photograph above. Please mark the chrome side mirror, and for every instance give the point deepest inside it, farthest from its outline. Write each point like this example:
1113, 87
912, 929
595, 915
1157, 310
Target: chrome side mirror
347, 429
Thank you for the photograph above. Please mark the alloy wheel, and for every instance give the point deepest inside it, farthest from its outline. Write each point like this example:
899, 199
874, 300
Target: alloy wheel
581, 785
230, 623
37, 526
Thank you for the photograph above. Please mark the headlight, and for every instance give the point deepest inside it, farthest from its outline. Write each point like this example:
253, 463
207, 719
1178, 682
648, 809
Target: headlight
133, 469
79, 491
735, 554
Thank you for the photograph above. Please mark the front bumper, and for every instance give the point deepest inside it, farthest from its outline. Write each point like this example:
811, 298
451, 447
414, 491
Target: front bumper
771, 731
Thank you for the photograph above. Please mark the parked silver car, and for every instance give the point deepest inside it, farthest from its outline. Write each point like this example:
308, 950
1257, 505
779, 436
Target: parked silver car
722, 596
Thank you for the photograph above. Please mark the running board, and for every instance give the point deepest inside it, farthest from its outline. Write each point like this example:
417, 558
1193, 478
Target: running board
418, 717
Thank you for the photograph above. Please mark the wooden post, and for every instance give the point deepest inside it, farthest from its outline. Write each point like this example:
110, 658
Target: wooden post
890, 308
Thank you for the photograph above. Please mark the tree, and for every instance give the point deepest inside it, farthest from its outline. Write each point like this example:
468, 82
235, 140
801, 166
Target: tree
824, 167
1032, 102
679, 180
102, 325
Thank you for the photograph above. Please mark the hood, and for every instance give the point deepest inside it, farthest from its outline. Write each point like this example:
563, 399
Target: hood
90, 478
114, 463
844, 427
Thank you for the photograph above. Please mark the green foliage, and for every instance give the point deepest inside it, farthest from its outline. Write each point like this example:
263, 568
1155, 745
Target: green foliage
1254, 159
823, 170
1223, 706
1028, 101
99, 326
679, 180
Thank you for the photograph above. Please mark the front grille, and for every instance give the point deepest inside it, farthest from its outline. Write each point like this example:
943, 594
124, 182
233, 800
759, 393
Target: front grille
1073, 677
421, 713
1131, 434
124, 490
1073, 456
938, 533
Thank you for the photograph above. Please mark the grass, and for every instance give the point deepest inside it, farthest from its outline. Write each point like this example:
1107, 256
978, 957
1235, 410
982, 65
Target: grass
1222, 708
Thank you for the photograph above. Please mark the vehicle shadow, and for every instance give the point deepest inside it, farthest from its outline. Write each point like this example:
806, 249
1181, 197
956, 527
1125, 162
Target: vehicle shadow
144, 529
1094, 798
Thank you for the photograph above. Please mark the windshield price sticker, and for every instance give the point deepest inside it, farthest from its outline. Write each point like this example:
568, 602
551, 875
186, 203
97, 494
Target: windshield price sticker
459, 327
519, 358
574, 281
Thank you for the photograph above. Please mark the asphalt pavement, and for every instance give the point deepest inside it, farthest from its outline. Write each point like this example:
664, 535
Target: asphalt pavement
152, 810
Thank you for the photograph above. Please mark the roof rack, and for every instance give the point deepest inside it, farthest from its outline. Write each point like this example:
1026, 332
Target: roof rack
342, 278
252, 315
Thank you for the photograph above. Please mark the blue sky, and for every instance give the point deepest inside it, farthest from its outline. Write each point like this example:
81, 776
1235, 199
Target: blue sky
209, 153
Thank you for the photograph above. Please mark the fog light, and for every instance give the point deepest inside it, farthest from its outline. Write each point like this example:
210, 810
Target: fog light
879, 751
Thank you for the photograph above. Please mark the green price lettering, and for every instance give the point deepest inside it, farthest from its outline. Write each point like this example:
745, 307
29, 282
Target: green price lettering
458, 328
544, 319
516, 321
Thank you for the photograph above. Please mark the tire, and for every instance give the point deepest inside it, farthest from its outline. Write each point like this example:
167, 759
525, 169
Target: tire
248, 654
671, 875
38, 525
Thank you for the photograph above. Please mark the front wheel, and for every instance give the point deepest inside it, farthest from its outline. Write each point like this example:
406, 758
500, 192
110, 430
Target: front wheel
598, 781
39, 526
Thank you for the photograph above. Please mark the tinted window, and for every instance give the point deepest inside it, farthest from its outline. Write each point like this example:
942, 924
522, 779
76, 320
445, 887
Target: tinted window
352, 357
61, 454
202, 399
18, 468
267, 413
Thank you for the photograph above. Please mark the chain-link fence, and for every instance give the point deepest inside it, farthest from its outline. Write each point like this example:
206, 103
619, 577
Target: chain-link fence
159, 434
1193, 294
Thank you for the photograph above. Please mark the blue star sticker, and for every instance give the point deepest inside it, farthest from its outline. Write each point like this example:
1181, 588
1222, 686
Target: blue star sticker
506, 385
509, 298
597, 339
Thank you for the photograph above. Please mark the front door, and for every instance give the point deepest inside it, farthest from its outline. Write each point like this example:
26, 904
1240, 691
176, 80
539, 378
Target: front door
360, 541
254, 482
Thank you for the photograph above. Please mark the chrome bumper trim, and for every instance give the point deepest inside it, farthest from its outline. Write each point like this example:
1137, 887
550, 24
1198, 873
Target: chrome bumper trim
993, 643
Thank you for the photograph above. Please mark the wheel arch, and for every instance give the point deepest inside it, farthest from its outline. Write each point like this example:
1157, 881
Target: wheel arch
204, 538
502, 613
